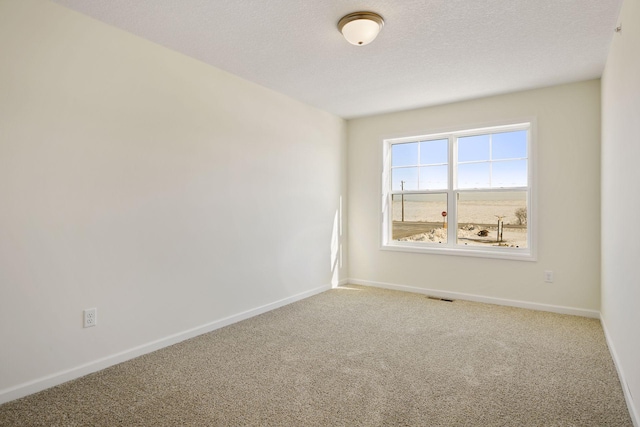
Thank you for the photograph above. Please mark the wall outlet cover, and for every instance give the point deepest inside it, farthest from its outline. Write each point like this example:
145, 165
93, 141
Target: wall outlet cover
90, 317
548, 276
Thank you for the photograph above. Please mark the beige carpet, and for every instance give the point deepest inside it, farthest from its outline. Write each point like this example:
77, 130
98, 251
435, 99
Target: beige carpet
356, 356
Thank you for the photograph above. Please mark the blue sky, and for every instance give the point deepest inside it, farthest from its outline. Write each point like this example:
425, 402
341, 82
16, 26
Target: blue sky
485, 161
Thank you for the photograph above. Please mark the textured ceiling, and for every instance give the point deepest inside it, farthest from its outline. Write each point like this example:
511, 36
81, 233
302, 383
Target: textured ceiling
429, 51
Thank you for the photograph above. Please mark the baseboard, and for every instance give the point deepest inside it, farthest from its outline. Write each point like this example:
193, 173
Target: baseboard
52, 380
633, 412
479, 298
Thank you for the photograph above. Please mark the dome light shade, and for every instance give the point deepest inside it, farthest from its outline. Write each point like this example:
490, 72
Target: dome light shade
360, 28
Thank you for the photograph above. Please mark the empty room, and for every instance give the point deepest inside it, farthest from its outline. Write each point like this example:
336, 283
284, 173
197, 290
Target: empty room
417, 213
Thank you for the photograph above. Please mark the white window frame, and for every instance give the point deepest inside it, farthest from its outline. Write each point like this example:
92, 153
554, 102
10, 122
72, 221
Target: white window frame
451, 247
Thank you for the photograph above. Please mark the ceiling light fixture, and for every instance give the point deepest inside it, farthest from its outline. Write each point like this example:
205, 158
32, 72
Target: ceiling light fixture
360, 28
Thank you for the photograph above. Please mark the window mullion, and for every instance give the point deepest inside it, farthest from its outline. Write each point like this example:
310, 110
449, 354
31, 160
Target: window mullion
452, 221
418, 165
490, 160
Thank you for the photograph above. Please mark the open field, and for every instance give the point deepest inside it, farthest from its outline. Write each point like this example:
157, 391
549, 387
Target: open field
470, 212
423, 221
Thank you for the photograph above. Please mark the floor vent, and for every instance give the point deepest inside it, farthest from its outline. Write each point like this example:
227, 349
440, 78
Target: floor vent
441, 299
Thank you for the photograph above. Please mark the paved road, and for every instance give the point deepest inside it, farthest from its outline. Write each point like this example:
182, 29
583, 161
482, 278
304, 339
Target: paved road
406, 229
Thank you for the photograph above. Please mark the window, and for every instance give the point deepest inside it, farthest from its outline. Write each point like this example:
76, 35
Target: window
464, 192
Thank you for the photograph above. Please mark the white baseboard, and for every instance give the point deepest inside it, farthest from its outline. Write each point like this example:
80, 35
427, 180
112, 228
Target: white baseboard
633, 412
479, 298
52, 380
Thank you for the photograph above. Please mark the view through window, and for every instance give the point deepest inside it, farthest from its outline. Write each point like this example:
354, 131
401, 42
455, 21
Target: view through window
464, 190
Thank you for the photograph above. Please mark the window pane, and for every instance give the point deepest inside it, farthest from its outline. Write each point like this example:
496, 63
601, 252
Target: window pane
434, 152
472, 148
512, 173
474, 175
404, 154
404, 179
478, 215
509, 145
422, 220
433, 178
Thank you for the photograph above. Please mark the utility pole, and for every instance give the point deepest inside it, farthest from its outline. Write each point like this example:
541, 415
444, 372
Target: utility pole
500, 228
402, 188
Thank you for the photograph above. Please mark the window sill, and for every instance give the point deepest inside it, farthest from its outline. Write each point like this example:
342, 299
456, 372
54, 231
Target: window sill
497, 253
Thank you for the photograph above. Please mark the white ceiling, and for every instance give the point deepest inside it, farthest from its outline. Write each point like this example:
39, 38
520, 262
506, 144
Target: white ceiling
429, 51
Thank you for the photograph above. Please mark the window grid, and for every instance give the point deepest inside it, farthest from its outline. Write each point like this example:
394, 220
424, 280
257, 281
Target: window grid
418, 166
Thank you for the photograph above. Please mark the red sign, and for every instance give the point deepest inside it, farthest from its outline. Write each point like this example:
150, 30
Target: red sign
444, 213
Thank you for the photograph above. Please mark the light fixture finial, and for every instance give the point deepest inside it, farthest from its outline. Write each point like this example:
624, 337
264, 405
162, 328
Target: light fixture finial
360, 28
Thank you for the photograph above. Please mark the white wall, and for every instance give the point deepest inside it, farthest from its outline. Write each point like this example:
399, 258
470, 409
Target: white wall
621, 201
164, 192
568, 186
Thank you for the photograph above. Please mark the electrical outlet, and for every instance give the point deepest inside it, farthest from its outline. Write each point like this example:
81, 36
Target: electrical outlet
90, 317
548, 276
